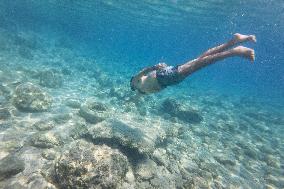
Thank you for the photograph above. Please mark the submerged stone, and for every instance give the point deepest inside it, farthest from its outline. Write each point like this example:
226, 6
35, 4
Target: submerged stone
43, 125
84, 165
225, 159
50, 78
3, 101
93, 112
49, 154
5, 92
61, 118
9, 166
41, 183
31, 98
4, 114
72, 103
119, 134
174, 109
46, 140
146, 170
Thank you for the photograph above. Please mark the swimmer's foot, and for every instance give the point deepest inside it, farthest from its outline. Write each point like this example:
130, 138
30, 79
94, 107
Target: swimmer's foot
243, 38
245, 52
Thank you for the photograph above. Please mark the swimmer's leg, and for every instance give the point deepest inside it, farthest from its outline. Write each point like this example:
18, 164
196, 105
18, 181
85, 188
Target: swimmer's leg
237, 39
194, 65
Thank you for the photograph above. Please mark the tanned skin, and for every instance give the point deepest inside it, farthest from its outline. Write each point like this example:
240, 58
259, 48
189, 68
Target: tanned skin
146, 82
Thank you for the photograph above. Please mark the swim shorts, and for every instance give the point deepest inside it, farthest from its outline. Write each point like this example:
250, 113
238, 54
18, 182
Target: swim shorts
168, 76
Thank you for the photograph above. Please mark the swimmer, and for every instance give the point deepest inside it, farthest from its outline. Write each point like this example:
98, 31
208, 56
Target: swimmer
154, 79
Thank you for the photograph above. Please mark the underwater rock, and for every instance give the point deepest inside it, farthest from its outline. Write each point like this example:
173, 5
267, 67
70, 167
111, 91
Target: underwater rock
160, 156
43, 125
173, 108
5, 91
4, 114
10, 146
84, 165
72, 103
50, 78
118, 92
29, 97
46, 140
79, 130
61, 118
49, 154
146, 170
272, 161
3, 101
41, 183
15, 185
66, 71
119, 134
93, 112
225, 159
9, 166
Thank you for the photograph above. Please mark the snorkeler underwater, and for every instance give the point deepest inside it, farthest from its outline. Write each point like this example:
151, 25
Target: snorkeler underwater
160, 76
118, 94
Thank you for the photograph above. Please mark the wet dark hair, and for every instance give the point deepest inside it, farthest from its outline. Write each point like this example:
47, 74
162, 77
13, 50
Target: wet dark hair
131, 85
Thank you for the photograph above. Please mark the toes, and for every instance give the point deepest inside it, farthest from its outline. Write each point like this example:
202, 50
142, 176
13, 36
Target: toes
253, 38
252, 56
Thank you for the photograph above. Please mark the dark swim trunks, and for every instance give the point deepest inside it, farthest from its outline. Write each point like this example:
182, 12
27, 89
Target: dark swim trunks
168, 76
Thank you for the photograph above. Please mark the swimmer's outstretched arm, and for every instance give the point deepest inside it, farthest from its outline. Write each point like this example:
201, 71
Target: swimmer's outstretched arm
219, 53
149, 69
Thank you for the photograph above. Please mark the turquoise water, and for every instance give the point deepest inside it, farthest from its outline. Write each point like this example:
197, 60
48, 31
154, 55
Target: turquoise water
68, 118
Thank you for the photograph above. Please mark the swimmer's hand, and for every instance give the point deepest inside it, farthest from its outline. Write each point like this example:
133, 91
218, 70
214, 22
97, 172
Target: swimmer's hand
161, 65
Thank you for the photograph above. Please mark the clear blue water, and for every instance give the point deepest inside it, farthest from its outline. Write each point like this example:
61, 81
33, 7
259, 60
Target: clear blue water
140, 34
124, 36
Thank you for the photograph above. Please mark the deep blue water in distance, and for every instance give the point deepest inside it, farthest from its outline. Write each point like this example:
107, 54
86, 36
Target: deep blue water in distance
135, 35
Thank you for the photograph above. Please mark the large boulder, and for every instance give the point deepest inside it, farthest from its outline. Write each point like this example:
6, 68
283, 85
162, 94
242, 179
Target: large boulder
45, 140
93, 111
31, 98
84, 165
174, 109
50, 78
120, 134
43, 125
9, 166
4, 114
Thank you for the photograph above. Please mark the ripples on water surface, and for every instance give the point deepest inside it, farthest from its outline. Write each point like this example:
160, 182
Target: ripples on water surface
69, 120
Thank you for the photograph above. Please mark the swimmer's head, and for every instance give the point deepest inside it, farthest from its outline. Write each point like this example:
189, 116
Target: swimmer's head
132, 85
135, 84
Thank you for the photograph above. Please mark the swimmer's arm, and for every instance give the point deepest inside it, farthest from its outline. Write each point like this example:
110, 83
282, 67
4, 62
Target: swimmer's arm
151, 68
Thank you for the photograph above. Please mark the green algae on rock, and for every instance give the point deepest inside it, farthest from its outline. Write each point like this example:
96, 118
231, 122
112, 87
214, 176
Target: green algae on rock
29, 97
84, 165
